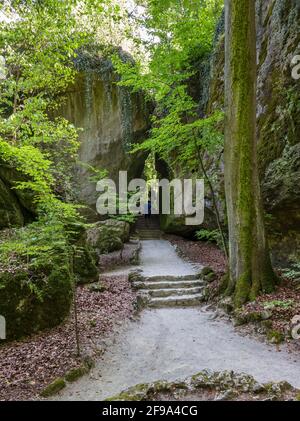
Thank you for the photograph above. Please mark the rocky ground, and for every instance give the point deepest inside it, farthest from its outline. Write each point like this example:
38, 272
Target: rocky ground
211, 386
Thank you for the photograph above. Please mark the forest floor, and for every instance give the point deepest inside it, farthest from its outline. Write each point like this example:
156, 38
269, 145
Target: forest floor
145, 348
27, 366
173, 343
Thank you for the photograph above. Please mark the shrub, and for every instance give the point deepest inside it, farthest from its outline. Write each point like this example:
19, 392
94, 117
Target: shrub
206, 235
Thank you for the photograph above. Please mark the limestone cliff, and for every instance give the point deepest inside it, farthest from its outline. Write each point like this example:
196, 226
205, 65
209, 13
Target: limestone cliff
278, 122
110, 118
278, 119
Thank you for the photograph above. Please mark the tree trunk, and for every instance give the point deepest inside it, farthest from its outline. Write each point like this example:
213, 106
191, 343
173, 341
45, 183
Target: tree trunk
250, 270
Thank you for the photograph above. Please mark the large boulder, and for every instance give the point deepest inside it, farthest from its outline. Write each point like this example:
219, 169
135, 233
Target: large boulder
36, 280
11, 176
85, 260
175, 224
27, 312
110, 118
107, 236
17, 207
10, 211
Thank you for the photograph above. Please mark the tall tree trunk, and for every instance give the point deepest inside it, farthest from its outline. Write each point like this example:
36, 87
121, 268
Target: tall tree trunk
250, 270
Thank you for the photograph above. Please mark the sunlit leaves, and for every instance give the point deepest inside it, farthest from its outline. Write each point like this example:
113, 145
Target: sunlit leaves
178, 34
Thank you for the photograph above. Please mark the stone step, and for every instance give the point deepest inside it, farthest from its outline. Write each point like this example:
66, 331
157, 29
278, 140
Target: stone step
149, 236
182, 301
171, 292
171, 278
143, 224
149, 232
168, 284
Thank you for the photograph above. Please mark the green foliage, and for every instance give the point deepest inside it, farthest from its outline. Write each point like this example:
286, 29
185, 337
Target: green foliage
96, 173
293, 273
36, 245
284, 304
178, 33
130, 218
207, 235
38, 44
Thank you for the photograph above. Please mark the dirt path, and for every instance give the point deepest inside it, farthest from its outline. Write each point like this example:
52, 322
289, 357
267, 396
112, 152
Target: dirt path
175, 343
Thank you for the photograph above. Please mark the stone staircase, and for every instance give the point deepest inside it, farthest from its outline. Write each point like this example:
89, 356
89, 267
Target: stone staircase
148, 228
171, 291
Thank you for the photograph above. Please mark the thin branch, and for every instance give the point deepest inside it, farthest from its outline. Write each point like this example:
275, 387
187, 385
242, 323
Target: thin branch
213, 199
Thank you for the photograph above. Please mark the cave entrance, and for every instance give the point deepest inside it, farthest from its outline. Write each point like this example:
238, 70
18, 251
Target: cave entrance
155, 169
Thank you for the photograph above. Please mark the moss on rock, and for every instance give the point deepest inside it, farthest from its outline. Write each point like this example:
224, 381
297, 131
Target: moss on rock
275, 336
76, 373
107, 236
85, 260
223, 385
53, 388
10, 211
35, 280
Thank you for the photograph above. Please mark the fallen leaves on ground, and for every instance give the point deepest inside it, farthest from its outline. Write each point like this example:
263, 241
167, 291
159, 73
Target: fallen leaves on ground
207, 254
281, 314
27, 366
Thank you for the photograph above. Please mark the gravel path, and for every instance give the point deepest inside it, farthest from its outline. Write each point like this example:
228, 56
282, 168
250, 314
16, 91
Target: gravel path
158, 257
175, 343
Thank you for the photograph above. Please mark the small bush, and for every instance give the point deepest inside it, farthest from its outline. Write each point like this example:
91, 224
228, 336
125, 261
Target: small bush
284, 304
210, 236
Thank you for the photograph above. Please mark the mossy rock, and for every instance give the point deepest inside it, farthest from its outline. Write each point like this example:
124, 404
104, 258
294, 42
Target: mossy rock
10, 211
135, 276
108, 236
27, 313
35, 294
53, 388
96, 287
144, 391
275, 337
208, 274
175, 224
120, 228
226, 304
226, 385
76, 373
251, 317
85, 261
85, 258
25, 197
223, 284
206, 271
